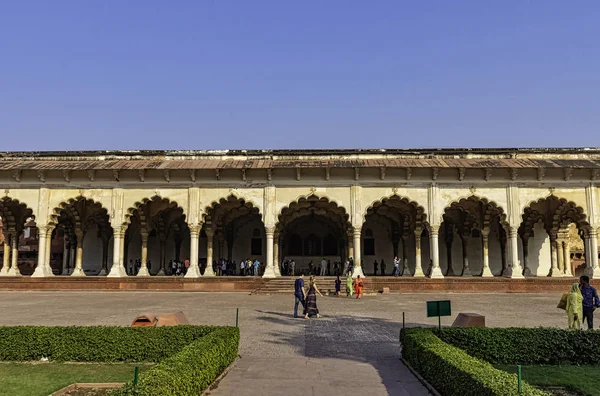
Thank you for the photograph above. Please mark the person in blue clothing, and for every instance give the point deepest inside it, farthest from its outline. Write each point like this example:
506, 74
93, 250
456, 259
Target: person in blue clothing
256, 265
590, 300
299, 294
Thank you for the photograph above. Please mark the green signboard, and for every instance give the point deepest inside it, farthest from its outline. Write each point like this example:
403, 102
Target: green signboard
438, 308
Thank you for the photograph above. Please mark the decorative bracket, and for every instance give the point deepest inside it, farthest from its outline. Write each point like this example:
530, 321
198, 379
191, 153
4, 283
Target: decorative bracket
116, 175
298, 174
269, 174
461, 173
488, 174
382, 173
91, 174
217, 174
243, 174
67, 175
193, 175
434, 173
356, 173
568, 173
167, 175
514, 173
142, 174
16, 174
41, 176
541, 172
408, 173
327, 174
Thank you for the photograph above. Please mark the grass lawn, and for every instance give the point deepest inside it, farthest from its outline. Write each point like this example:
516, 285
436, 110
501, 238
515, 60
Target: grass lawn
41, 379
584, 379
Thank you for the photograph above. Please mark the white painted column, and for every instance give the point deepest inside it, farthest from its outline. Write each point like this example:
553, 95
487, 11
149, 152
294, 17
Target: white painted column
567, 259
418, 265
485, 238
14, 256
117, 270
65, 269
43, 267
276, 254
194, 271
554, 257
515, 269
436, 271
209, 252
78, 270
350, 236
593, 271
465, 245
6, 258
269, 270
527, 270
72, 259
356, 236
560, 254
144, 271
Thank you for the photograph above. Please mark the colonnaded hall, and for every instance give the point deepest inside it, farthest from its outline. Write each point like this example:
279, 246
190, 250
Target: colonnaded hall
444, 212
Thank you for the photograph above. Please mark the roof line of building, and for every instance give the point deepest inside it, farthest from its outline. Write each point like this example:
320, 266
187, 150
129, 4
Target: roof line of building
283, 152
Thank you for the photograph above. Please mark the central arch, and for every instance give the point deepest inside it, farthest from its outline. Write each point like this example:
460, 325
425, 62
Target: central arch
309, 230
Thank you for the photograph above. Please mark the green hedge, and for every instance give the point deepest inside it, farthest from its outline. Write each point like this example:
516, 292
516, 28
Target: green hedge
526, 346
451, 371
190, 371
96, 344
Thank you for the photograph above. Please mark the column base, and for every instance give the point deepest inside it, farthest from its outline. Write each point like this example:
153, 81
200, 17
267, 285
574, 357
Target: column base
269, 273
143, 271
4, 272
161, 272
487, 273
78, 272
419, 272
555, 273
466, 273
436, 273
277, 270
593, 273
358, 271
103, 272
514, 273
42, 272
15, 271
117, 271
406, 272
528, 273
209, 271
192, 272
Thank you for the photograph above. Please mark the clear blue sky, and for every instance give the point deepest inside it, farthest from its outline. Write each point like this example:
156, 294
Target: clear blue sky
298, 74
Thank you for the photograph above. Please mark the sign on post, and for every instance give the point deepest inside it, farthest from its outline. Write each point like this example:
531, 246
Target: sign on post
439, 309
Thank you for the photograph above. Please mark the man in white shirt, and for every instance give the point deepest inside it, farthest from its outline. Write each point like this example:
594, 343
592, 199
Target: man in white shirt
323, 266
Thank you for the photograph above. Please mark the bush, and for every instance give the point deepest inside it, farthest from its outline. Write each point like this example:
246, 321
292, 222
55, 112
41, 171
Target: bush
96, 344
451, 371
190, 371
526, 346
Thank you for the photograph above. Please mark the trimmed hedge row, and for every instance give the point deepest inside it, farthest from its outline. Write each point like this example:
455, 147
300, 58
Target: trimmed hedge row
190, 371
451, 371
96, 344
526, 346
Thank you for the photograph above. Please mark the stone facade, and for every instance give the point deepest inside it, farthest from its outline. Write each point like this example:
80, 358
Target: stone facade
442, 212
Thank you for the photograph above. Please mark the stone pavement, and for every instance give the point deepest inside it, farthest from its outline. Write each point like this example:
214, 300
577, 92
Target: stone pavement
353, 348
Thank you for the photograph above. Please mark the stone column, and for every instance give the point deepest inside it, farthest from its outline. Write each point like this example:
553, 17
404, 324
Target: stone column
6, 258
43, 267
527, 270
436, 271
350, 244
269, 270
418, 266
144, 270
567, 259
78, 270
65, 268
449, 238
162, 256
485, 236
72, 252
276, 262
553, 256
14, 256
118, 270
49, 246
104, 269
465, 246
193, 271
592, 270
209, 252
515, 270
356, 234
560, 256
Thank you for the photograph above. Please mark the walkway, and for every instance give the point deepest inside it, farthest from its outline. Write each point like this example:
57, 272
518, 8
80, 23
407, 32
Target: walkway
354, 345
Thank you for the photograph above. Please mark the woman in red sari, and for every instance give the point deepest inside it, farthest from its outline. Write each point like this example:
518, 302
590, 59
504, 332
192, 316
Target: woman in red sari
358, 286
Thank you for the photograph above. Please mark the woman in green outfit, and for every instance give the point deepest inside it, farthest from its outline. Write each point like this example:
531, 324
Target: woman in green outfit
575, 307
349, 285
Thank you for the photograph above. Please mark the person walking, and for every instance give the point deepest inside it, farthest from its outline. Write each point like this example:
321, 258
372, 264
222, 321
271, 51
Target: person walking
256, 266
382, 267
349, 285
396, 266
311, 299
590, 300
574, 307
338, 286
293, 267
242, 268
358, 287
299, 294
375, 268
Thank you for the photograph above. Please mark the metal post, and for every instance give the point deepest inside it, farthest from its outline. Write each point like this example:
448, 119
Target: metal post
403, 321
440, 323
519, 379
136, 373
237, 315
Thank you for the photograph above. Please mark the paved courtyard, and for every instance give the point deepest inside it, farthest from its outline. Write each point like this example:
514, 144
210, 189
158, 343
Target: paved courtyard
353, 348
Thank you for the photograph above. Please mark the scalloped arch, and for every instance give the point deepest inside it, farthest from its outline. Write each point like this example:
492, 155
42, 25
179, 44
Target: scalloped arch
55, 212
8, 215
305, 198
138, 205
402, 198
479, 198
564, 204
223, 200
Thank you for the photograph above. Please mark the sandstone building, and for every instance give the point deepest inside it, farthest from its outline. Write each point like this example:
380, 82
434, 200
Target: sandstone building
446, 212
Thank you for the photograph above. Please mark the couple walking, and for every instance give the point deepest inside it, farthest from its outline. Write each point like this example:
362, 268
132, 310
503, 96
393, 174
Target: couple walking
581, 302
308, 301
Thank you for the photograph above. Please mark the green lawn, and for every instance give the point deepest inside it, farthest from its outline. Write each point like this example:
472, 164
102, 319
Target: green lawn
584, 379
41, 379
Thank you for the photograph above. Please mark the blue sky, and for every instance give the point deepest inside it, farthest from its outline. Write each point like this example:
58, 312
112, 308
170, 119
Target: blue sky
226, 74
